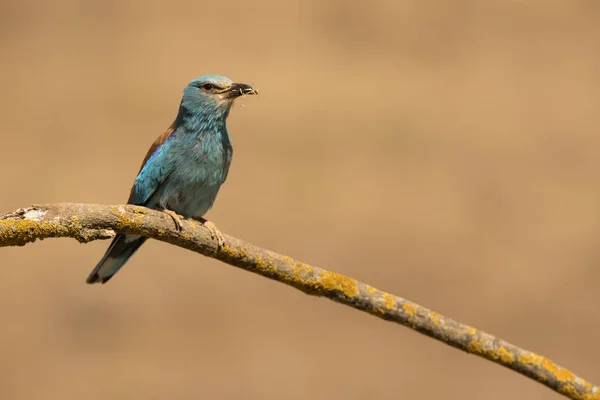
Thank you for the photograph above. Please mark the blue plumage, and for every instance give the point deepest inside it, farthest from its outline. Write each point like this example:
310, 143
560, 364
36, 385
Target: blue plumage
185, 167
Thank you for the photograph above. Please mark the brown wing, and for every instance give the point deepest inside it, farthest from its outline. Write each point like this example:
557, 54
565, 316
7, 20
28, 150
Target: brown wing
159, 140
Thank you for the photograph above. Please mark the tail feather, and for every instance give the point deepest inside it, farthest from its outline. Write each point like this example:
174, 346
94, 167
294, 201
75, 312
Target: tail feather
119, 251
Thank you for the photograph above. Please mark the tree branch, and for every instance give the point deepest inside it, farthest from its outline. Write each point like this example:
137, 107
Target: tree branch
87, 222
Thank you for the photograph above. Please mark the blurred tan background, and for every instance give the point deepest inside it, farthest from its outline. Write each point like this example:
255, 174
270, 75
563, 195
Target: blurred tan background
444, 151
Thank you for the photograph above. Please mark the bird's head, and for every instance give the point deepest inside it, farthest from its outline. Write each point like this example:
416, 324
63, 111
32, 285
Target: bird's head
213, 93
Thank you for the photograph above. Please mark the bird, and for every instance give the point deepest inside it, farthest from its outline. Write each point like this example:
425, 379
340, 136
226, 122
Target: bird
185, 166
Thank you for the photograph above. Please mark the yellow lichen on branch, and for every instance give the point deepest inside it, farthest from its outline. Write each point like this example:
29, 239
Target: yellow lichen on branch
86, 222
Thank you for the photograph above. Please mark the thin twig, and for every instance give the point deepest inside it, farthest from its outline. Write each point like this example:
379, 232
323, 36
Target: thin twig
87, 222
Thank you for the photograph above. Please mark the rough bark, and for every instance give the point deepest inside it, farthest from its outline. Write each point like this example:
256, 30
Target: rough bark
87, 222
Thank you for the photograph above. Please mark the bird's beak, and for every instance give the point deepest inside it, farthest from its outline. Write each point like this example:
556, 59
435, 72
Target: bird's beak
240, 89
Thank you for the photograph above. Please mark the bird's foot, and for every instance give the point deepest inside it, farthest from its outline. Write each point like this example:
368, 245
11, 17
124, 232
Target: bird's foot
176, 219
215, 233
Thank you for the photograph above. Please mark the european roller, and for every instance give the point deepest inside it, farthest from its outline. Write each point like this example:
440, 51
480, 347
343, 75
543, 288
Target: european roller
185, 167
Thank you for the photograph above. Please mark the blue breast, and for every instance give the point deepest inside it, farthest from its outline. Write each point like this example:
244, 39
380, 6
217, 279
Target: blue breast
201, 161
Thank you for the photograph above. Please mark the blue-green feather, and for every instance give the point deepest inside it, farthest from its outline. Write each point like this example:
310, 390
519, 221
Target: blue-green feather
183, 173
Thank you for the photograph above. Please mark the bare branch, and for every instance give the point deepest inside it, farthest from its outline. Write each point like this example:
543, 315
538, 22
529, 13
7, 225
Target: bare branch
87, 222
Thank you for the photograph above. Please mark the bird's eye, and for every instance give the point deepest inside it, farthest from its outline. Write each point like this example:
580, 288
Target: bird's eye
207, 86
